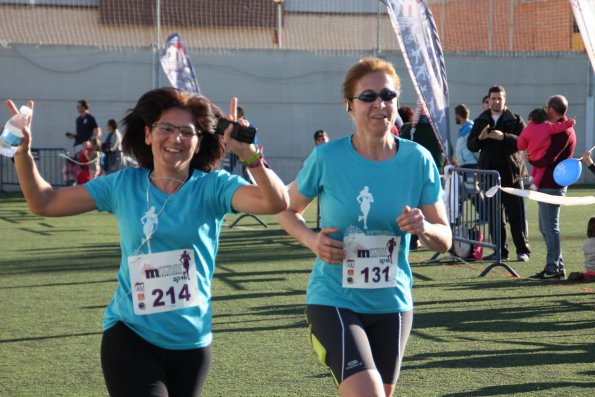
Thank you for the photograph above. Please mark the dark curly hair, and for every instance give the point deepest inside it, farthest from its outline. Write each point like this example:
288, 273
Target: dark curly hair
149, 109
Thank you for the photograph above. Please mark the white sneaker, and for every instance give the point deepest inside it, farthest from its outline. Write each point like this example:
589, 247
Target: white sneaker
533, 187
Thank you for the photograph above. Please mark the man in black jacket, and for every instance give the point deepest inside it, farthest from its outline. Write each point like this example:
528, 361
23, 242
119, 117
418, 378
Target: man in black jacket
495, 133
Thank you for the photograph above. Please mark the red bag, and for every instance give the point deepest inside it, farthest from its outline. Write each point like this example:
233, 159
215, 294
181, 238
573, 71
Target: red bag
476, 249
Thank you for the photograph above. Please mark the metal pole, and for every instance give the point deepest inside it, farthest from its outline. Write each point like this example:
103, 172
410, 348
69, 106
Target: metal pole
490, 25
443, 23
156, 47
590, 106
377, 49
279, 22
511, 26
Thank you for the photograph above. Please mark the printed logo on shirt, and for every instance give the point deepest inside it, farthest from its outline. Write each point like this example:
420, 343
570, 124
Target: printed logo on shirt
365, 200
168, 270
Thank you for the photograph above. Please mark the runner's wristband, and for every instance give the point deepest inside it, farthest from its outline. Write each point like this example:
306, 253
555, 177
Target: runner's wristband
256, 157
257, 163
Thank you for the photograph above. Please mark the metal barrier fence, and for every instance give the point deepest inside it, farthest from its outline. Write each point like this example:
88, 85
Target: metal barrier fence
49, 164
475, 219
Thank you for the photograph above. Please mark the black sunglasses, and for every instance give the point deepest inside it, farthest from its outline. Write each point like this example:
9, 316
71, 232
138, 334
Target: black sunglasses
370, 96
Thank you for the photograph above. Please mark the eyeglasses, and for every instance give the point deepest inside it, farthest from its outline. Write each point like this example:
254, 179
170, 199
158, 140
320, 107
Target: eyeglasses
370, 96
187, 131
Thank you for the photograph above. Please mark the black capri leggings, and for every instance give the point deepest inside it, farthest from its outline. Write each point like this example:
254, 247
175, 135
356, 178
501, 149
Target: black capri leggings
348, 342
134, 367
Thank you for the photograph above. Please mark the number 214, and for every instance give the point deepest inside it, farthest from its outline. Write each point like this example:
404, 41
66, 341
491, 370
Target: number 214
183, 294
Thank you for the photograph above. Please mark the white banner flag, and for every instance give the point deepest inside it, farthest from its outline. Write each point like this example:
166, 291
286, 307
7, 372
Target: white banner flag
584, 14
177, 66
416, 32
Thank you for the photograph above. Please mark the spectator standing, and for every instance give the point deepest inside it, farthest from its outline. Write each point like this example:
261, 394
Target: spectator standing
242, 116
175, 202
96, 158
485, 103
464, 157
495, 134
561, 148
89, 161
406, 114
320, 137
420, 130
537, 137
70, 171
112, 148
360, 325
86, 125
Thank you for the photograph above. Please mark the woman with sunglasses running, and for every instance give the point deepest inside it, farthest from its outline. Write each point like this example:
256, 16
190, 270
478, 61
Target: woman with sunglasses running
157, 328
359, 303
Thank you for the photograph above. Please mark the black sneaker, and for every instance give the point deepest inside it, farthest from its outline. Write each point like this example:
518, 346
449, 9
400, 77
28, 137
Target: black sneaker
492, 257
546, 275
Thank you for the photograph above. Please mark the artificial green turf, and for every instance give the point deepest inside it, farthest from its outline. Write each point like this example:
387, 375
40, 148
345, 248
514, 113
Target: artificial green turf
490, 336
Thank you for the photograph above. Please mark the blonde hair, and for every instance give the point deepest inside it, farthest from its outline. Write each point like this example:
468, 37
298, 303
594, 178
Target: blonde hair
364, 66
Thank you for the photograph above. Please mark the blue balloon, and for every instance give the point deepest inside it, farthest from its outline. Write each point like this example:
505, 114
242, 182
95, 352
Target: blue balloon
568, 172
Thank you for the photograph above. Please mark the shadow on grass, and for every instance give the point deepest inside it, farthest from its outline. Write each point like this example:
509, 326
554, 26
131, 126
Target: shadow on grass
236, 280
540, 355
219, 328
244, 322
513, 390
88, 258
38, 338
276, 310
260, 245
82, 282
528, 327
480, 284
531, 319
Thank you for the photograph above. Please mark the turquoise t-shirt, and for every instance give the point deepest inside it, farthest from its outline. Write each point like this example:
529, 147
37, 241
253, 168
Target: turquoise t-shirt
359, 196
191, 217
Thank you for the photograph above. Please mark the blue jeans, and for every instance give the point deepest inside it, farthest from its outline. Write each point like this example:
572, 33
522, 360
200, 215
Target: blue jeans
549, 226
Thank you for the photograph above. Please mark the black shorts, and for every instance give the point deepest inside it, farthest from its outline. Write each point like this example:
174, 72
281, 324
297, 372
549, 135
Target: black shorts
134, 367
347, 342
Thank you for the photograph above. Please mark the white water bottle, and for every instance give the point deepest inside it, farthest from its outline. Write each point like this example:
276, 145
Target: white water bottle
11, 134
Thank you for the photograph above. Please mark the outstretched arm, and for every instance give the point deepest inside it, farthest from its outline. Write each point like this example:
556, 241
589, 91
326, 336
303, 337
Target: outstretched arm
41, 198
588, 160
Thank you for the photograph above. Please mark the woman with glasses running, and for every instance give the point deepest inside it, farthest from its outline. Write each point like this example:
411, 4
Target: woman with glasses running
157, 328
359, 303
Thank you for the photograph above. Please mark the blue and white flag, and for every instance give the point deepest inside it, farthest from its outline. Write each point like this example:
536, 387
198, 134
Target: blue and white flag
176, 65
584, 15
416, 32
